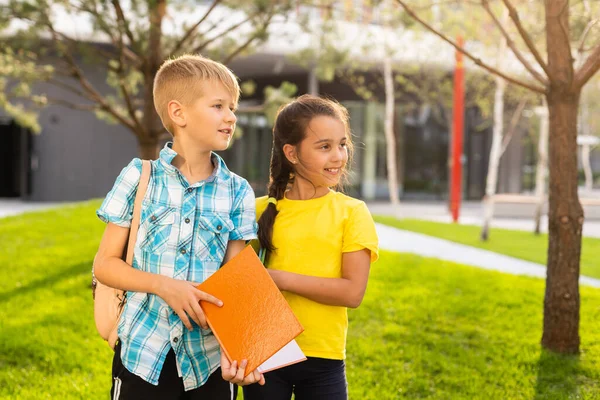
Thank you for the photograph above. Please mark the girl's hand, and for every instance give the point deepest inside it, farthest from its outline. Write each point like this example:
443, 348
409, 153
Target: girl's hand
231, 373
184, 299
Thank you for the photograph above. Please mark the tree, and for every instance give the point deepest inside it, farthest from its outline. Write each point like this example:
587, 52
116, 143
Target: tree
541, 170
130, 39
555, 77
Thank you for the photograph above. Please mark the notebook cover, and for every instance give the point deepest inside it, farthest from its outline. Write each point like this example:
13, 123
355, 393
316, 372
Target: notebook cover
255, 321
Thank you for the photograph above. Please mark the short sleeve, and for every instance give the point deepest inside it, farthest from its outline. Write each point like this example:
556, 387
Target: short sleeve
360, 233
243, 214
117, 206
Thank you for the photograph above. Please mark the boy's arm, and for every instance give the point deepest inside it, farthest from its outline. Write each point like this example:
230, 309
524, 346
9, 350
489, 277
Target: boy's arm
111, 270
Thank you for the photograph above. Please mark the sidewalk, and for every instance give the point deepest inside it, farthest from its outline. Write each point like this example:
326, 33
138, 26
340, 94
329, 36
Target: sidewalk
16, 206
393, 239
471, 213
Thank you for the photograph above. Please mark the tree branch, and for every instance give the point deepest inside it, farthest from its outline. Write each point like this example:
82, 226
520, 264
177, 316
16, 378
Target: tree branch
512, 12
543, 80
124, 23
104, 27
202, 46
476, 60
588, 69
67, 87
513, 125
586, 32
90, 91
190, 31
248, 42
73, 106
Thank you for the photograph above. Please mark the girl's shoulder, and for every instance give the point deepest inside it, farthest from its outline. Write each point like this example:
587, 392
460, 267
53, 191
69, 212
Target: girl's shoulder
343, 200
261, 204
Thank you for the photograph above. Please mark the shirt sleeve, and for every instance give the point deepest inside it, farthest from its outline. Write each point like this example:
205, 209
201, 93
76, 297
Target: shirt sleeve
360, 233
243, 215
117, 206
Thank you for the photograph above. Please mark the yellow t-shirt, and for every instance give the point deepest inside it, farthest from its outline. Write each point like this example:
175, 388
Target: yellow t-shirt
310, 237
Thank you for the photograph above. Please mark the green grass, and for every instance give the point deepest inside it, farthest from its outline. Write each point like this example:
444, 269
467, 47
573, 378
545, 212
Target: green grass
519, 244
427, 328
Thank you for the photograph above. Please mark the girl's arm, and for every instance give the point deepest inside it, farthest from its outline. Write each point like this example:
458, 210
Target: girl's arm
347, 291
111, 270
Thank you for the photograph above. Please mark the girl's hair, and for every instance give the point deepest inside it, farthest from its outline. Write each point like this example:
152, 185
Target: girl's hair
290, 128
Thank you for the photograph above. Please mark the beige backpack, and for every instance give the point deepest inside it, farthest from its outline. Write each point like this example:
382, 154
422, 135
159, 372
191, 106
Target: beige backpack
109, 302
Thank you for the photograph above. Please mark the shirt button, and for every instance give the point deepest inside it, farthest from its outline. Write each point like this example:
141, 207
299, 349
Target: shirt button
189, 190
187, 220
183, 251
219, 227
153, 218
175, 340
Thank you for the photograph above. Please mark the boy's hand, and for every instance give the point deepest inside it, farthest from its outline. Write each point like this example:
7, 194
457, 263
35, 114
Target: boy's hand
231, 373
184, 298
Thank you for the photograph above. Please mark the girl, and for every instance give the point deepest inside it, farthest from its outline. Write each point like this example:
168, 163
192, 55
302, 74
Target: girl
320, 245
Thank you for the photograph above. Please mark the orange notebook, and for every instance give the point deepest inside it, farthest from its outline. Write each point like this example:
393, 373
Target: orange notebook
255, 322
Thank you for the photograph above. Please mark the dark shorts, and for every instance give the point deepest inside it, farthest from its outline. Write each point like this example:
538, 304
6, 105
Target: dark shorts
313, 379
129, 386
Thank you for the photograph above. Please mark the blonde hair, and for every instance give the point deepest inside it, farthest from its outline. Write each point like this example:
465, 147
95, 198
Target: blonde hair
181, 79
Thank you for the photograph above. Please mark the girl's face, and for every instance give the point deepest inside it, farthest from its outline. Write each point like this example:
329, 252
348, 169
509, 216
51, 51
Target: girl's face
322, 155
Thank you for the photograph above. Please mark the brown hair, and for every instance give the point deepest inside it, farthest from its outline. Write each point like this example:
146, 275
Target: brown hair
181, 79
290, 128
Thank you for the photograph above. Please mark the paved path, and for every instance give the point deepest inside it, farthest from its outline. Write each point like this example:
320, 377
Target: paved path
409, 242
15, 206
471, 214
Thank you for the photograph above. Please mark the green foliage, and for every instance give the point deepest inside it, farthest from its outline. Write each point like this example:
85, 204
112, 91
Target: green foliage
276, 97
426, 328
18, 70
519, 244
118, 40
324, 54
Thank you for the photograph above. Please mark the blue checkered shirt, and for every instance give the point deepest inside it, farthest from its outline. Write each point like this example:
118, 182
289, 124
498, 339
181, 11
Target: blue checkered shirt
183, 234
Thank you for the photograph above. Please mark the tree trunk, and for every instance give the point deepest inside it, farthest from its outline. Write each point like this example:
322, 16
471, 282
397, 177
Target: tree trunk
148, 149
565, 221
152, 127
495, 154
565, 216
390, 137
542, 167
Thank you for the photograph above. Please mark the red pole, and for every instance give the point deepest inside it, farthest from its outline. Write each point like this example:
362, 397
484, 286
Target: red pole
457, 134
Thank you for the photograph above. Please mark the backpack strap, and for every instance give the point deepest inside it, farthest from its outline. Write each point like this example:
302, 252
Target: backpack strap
137, 208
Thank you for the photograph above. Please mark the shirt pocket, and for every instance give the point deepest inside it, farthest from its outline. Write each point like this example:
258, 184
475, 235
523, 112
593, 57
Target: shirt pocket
212, 237
157, 226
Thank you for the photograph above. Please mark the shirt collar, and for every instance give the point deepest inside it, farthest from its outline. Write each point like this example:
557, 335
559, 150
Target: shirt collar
220, 172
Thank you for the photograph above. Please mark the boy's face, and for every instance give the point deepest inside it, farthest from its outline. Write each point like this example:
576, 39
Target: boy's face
210, 119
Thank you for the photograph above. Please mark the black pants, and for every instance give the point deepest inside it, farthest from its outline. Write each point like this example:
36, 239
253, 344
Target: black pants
129, 386
313, 379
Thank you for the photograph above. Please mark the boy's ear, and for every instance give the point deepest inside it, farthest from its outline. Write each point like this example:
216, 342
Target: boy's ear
176, 113
290, 153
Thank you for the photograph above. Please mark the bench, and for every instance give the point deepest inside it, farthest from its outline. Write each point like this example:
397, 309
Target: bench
523, 206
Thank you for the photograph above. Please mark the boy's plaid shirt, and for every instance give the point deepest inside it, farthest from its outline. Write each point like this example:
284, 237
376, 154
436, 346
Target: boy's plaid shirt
183, 234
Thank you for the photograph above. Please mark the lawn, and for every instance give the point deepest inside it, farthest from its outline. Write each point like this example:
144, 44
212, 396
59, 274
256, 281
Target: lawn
427, 328
519, 244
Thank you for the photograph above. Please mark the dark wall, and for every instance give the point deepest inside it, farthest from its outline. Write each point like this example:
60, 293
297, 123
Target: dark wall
77, 156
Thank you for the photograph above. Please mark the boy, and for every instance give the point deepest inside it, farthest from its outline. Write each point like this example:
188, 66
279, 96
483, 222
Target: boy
195, 216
